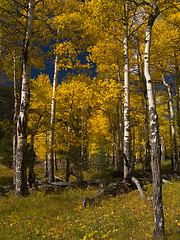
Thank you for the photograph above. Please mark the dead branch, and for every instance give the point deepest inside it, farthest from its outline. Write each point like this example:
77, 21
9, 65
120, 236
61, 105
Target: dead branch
138, 187
58, 178
112, 189
166, 181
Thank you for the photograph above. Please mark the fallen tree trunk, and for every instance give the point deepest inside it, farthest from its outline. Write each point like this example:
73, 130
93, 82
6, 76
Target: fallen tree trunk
5, 189
138, 187
50, 185
114, 189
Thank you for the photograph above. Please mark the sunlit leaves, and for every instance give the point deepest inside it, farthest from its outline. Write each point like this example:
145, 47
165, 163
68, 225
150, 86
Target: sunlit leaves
41, 91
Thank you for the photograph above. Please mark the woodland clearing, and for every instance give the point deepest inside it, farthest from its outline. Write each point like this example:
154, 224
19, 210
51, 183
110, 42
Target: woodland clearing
60, 214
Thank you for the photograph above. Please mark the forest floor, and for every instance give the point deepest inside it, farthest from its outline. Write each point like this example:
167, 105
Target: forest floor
60, 214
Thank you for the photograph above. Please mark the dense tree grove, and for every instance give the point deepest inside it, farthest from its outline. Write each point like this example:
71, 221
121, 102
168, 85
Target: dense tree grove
114, 97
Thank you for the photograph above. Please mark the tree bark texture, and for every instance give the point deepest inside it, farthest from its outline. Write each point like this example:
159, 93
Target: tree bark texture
127, 143
68, 144
46, 159
172, 125
119, 155
15, 121
147, 157
154, 133
177, 84
52, 123
21, 152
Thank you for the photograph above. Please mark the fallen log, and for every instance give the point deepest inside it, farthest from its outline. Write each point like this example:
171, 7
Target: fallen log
5, 189
138, 187
88, 183
50, 186
114, 189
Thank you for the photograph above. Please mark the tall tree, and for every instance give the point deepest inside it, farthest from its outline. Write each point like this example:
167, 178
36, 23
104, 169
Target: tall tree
21, 188
164, 58
127, 142
174, 159
154, 129
177, 82
52, 124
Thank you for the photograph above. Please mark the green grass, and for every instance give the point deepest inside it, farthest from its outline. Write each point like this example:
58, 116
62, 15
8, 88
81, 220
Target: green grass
60, 215
166, 166
6, 176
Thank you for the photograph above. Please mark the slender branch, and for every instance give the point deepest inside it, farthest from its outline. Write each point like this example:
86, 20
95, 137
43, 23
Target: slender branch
139, 187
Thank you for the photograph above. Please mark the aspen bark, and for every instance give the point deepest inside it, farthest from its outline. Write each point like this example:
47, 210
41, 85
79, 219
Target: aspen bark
114, 154
52, 124
172, 124
147, 157
46, 159
21, 188
154, 133
68, 144
140, 140
31, 160
177, 84
55, 161
15, 121
133, 148
127, 144
119, 154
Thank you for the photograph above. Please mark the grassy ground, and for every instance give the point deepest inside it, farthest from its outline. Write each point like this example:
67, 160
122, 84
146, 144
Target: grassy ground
60, 215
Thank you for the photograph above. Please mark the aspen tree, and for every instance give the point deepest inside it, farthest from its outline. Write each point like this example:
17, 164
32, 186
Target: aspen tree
11, 38
177, 84
164, 59
127, 146
174, 160
52, 123
147, 157
154, 131
21, 188
15, 120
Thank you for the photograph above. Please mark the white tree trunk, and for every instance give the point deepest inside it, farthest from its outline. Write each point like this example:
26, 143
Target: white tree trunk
147, 157
15, 121
120, 127
127, 146
31, 162
68, 144
52, 123
154, 133
21, 177
46, 159
172, 124
177, 82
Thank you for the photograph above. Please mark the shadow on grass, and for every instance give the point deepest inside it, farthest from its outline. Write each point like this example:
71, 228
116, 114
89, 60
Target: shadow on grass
6, 180
166, 166
175, 236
